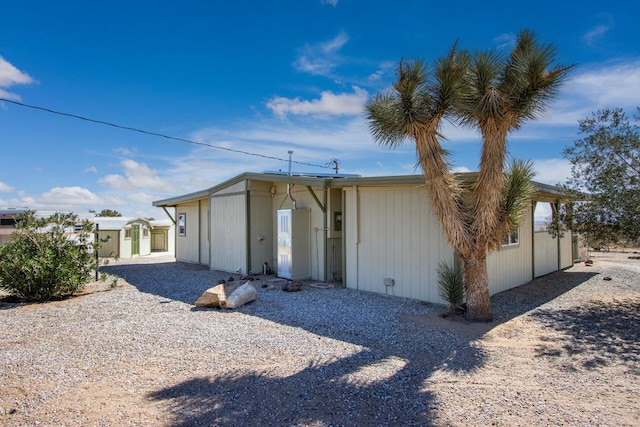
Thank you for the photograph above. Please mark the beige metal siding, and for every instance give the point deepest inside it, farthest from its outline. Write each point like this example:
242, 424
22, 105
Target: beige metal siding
511, 265
546, 253
145, 242
260, 226
204, 232
112, 246
229, 233
188, 247
566, 250
397, 237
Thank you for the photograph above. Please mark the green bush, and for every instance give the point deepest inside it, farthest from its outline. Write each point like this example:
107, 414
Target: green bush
451, 284
47, 257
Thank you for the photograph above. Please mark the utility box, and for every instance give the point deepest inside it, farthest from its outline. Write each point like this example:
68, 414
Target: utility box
294, 244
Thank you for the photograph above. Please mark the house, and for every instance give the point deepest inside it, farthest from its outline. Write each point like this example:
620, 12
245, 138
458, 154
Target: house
8, 222
129, 237
376, 234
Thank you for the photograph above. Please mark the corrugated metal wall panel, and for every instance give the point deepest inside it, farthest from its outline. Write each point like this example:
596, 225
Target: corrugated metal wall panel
261, 229
205, 245
399, 239
112, 246
188, 246
511, 265
566, 250
546, 253
229, 233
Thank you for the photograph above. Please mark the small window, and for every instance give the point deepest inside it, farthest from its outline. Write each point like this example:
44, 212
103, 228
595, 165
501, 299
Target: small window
127, 233
511, 239
182, 224
8, 221
78, 228
145, 233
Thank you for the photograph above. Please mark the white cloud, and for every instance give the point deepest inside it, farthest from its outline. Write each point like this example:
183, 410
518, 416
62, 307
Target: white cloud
592, 88
142, 198
598, 31
329, 104
91, 169
136, 175
331, 2
506, 41
124, 151
75, 198
322, 58
10, 76
5, 188
552, 171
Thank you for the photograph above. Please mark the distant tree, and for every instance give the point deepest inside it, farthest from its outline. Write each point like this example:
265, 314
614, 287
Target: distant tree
109, 212
495, 94
47, 257
606, 166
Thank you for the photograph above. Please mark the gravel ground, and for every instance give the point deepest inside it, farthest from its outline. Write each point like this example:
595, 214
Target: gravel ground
562, 350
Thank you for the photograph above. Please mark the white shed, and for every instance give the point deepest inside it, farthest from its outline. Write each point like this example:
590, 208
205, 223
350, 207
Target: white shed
128, 237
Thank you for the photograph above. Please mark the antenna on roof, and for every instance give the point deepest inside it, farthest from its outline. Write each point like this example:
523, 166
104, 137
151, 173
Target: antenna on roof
335, 164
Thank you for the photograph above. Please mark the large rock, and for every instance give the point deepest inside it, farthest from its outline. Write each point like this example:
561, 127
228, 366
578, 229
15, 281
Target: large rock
241, 296
228, 295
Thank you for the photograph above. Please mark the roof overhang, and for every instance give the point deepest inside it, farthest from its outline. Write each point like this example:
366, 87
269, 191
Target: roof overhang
544, 192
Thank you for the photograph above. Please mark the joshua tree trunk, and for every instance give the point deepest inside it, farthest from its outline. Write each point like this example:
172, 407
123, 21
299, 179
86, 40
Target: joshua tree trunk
476, 280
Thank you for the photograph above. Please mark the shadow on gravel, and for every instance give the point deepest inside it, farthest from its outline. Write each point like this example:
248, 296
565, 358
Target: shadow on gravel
514, 302
317, 395
595, 334
403, 344
152, 278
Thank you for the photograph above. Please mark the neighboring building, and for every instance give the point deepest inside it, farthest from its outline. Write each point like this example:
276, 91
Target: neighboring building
8, 222
130, 237
377, 234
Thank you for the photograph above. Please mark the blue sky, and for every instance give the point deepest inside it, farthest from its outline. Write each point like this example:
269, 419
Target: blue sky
264, 78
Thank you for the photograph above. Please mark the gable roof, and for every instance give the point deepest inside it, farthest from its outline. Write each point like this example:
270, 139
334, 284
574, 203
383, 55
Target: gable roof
118, 222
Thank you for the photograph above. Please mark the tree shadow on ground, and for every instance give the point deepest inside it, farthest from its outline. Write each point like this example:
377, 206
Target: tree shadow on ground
317, 395
517, 301
340, 391
152, 278
595, 334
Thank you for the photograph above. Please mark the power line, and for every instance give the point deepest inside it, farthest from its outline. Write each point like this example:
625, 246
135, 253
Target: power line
102, 122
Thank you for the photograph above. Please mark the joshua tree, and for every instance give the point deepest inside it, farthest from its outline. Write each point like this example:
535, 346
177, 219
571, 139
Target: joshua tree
496, 94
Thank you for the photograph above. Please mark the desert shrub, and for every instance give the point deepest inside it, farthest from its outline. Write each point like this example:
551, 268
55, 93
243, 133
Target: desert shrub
47, 257
451, 284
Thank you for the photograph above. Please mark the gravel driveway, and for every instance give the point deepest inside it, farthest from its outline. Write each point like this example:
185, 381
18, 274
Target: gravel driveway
563, 350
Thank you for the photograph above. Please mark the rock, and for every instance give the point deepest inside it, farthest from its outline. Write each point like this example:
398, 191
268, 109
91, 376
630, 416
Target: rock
271, 288
247, 278
231, 279
606, 278
216, 296
588, 262
228, 295
292, 287
221, 281
241, 296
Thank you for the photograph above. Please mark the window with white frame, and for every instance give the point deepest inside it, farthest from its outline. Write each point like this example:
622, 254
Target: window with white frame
512, 239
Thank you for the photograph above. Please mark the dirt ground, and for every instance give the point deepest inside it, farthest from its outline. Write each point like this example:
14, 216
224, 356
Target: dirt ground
541, 367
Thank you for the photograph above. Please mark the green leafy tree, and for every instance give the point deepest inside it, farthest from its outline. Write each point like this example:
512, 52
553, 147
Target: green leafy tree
490, 92
109, 212
47, 257
606, 166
